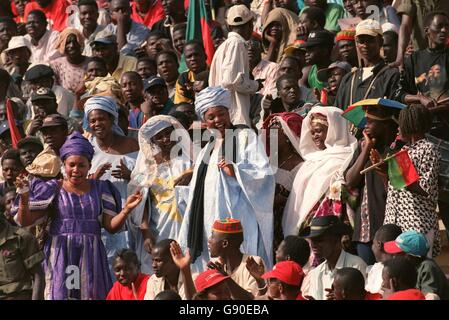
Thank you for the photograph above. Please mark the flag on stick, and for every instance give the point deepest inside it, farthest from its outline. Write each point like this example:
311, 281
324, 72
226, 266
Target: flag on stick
401, 170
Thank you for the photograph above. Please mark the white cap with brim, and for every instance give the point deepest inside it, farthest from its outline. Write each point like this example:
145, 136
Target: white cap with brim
18, 42
369, 27
239, 15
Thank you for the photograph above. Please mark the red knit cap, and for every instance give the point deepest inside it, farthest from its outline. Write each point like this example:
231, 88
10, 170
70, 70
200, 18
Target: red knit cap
227, 225
346, 35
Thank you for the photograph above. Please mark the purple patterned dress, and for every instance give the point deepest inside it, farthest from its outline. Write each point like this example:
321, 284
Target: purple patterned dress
76, 265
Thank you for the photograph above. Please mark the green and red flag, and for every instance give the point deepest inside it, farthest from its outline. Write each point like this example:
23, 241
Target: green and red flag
199, 27
401, 170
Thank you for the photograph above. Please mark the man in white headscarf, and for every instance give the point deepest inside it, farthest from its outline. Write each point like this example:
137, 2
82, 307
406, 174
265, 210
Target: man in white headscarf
163, 170
231, 178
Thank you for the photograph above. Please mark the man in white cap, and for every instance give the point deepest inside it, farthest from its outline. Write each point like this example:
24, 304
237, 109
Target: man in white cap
375, 79
19, 54
230, 66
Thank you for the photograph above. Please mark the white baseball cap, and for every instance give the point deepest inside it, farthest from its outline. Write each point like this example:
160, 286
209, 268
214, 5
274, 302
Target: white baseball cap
239, 15
368, 27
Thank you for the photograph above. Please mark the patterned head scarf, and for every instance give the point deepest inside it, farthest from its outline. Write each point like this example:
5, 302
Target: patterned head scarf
212, 97
106, 104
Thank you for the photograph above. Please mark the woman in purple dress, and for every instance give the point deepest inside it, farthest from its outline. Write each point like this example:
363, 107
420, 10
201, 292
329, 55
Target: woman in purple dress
76, 265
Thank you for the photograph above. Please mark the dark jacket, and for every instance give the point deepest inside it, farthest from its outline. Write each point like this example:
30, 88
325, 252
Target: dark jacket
384, 86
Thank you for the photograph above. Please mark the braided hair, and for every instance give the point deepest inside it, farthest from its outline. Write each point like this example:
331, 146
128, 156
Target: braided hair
415, 119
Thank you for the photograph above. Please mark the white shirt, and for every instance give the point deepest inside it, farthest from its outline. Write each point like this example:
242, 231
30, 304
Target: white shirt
230, 69
374, 277
322, 277
45, 51
87, 48
156, 285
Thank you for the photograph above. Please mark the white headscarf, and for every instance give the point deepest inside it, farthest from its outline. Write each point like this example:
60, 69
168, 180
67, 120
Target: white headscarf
211, 97
146, 168
320, 168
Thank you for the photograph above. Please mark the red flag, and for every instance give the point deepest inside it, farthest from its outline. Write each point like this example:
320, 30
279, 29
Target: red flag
15, 134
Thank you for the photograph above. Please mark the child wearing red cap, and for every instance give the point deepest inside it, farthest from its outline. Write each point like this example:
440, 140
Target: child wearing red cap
284, 281
211, 285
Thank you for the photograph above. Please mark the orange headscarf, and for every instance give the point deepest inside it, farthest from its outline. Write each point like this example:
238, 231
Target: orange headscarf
63, 39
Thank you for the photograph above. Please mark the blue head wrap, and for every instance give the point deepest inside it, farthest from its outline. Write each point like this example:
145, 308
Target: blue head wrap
211, 97
76, 145
106, 104
154, 127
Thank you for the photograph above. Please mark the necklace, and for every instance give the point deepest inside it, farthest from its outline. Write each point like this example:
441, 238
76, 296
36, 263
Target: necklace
108, 149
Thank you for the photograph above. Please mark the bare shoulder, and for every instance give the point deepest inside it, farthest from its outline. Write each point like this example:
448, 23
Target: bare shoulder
128, 145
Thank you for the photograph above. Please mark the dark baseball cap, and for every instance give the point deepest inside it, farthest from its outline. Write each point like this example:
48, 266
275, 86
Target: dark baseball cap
104, 38
154, 82
43, 94
324, 74
38, 71
54, 120
319, 38
29, 140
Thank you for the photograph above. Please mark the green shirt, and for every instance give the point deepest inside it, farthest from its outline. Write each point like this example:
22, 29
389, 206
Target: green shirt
333, 13
19, 253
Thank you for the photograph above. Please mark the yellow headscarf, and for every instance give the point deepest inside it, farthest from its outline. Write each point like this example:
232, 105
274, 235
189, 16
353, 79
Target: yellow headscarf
289, 21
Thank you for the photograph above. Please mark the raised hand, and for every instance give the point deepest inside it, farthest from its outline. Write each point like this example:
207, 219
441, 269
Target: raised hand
22, 182
375, 158
181, 260
256, 270
330, 294
101, 171
227, 168
367, 142
133, 200
122, 171
217, 266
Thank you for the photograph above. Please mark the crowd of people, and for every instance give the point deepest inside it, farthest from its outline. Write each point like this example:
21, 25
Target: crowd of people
288, 150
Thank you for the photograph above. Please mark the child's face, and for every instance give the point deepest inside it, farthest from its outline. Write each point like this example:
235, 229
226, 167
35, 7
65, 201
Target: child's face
11, 170
319, 134
125, 272
9, 200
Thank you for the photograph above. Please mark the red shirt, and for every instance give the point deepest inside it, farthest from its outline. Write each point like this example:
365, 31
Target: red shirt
373, 296
55, 12
121, 292
410, 294
154, 14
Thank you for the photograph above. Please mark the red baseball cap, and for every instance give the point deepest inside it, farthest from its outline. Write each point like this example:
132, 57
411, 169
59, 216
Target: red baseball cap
208, 279
288, 272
